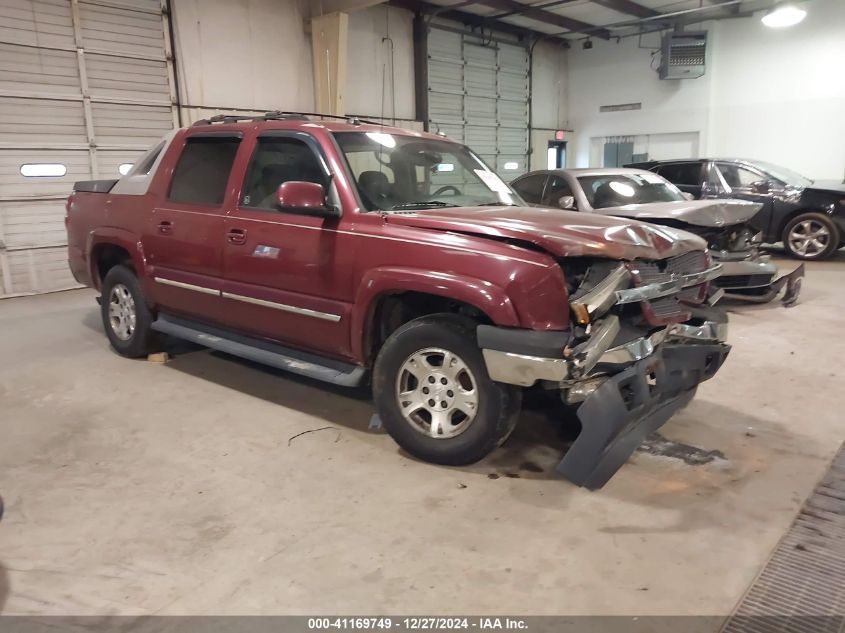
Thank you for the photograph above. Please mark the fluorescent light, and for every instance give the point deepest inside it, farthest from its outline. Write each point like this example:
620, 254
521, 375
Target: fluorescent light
784, 15
43, 170
511, 165
124, 168
441, 167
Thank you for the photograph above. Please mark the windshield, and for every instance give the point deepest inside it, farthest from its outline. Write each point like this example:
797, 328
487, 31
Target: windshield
616, 190
786, 176
396, 172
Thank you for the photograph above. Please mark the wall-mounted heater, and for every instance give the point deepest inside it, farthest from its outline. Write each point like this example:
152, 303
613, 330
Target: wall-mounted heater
682, 55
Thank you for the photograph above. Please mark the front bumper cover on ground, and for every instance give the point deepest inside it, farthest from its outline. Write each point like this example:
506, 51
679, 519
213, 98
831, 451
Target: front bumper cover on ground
628, 406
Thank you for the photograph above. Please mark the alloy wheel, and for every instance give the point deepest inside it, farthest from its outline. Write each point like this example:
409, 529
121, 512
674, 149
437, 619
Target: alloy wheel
809, 238
437, 393
122, 316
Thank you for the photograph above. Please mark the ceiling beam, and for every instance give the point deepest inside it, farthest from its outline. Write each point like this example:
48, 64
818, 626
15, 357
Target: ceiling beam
476, 21
628, 7
330, 6
547, 17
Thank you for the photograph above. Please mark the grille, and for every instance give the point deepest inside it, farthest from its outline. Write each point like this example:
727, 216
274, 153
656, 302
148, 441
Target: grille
802, 587
744, 281
669, 309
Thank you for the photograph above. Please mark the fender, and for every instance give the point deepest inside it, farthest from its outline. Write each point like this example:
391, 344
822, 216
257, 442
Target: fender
488, 298
126, 240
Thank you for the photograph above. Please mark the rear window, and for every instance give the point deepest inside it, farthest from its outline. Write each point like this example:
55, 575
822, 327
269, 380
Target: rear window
681, 173
203, 170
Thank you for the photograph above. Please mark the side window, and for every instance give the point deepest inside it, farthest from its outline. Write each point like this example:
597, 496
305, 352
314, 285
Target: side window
279, 159
681, 173
531, 188
739, 177
557, 188
203, 169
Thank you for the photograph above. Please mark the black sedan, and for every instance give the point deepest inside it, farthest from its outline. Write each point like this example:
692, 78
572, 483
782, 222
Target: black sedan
807, 216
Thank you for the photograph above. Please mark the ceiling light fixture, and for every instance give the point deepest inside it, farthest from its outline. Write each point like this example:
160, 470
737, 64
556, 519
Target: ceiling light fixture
783, 15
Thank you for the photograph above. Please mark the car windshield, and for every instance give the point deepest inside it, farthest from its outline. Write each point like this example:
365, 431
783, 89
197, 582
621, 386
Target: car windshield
396, 172
616, 190
786, 176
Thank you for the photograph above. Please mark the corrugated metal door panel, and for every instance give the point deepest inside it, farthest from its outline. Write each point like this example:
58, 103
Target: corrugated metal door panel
26, 70
33, 223
445, 44
91, 112
14, 185
37, 23
109, 161
127, 79
133, 125
39, 270
445, 76
125, 31
41, 122
484, 86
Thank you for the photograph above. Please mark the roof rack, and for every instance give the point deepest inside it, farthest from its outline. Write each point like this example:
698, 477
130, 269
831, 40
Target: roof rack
279, 115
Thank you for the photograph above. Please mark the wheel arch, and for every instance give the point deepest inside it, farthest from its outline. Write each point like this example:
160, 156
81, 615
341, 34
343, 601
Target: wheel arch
113, 247
390, 297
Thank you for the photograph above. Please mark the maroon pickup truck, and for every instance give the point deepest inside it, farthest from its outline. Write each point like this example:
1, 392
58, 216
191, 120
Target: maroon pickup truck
361, 254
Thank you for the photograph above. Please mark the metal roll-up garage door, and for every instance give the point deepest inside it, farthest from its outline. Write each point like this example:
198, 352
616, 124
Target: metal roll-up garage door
85, 86
478, 94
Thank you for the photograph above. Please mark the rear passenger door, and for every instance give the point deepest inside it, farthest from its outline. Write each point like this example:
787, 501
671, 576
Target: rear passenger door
288, 275
530, 187
183, 237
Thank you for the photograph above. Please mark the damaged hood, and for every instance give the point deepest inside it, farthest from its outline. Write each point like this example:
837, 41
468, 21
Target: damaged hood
711, 213
560, 233
828, 186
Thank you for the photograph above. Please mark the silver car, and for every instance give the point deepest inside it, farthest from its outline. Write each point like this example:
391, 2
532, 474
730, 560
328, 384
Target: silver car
727, 225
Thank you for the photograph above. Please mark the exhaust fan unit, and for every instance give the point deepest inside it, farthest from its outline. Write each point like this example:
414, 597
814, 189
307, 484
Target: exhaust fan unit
682, 55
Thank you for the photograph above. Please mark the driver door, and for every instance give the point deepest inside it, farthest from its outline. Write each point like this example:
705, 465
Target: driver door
286, 273
743, 183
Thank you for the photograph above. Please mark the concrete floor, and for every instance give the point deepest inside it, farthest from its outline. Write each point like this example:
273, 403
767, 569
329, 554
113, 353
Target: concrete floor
134, 487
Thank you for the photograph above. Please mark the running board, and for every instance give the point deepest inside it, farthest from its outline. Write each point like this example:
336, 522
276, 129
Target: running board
302, 363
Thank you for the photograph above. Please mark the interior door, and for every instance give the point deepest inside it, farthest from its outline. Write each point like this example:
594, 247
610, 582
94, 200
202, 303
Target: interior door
183, 238
287, 273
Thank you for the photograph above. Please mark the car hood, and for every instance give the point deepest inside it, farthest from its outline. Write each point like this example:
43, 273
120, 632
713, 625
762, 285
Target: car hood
713, 213
560, 233
828, 186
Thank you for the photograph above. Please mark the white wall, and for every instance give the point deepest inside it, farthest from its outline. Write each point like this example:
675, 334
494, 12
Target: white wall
249, 54
776, 95
255, 55
369, 76
548, 99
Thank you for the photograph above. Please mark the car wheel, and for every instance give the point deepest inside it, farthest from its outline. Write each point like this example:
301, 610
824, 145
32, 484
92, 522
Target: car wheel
434, 396
126, 317
810, 236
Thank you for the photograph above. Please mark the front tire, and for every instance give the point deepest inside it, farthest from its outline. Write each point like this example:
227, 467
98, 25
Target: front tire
126, 318
811, 236
434, 396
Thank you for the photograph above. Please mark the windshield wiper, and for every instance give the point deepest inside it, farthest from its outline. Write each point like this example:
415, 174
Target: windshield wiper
498, 204
422, 204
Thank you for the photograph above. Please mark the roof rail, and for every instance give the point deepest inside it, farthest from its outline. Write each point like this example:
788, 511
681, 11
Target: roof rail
279, 115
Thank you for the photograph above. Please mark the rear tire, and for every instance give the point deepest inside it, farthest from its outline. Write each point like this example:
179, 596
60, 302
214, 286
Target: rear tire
811, 236
126, 317
434, 396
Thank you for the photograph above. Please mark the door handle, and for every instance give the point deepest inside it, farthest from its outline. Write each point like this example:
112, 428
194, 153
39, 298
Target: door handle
236, 236
165, 227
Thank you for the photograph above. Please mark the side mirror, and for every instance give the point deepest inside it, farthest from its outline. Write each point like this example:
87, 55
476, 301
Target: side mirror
567, 202
687, 195
761, 186
305, 197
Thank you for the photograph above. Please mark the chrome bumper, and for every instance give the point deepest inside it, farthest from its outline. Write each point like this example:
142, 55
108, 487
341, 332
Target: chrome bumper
525, 370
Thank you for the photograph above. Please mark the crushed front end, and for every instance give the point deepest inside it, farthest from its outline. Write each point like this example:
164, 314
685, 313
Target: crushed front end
643, 337
747, 274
